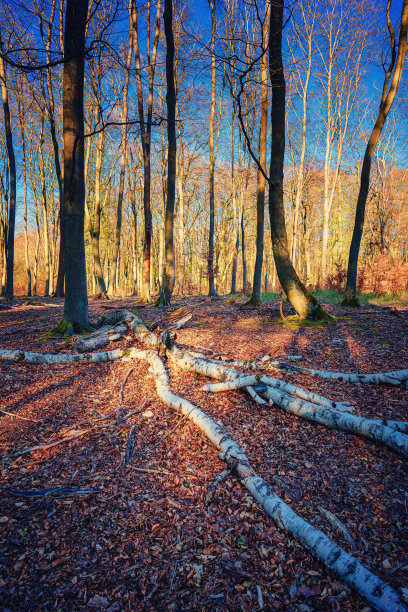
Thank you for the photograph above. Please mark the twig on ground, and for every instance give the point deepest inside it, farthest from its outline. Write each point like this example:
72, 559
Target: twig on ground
17, 416
55, 492
122, 387
52, 444
129, 446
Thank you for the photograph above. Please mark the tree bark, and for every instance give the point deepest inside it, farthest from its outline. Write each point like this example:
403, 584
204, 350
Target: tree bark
302, 300
145, 131
211, 284
76, 298
169, 268
396, 65
112, 279
260, 189
13, 181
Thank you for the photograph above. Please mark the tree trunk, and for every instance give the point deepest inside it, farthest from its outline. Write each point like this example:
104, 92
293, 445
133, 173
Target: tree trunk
44, 208
211, 284
122, 171
24, 168
260, 189
145, 131
301, 299
95, 227
76, 297
13, 181
169, 268
386, 103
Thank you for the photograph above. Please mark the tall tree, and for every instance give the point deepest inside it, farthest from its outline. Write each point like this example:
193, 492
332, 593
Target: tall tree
76, 297
169, 269
146, 127
12, 177
302, 300
112, 279
394, 73
260, 189
211, 284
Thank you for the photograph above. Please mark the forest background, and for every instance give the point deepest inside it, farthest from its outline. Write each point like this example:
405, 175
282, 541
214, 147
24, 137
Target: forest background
334, 54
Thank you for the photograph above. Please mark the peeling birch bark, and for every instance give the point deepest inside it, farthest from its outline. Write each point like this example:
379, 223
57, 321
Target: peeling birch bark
334, 419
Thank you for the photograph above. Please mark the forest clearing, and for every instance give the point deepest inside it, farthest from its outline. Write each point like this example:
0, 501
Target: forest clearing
148, 535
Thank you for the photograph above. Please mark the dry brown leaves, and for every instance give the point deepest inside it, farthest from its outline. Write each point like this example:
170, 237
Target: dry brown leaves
148, 541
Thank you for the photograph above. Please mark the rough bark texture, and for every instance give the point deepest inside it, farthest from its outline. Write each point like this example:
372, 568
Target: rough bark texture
302, 300
13, 181
367, 428
169, 264
211, 283
386, 103
391, 378
260, 189
76, 298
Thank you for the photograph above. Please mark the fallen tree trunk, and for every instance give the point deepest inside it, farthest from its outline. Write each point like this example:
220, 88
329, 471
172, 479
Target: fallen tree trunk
348, 568
391, 378
27, 357
306, 395
334, 419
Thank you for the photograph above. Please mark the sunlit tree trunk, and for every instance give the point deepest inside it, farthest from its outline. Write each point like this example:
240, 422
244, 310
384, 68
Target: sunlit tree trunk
302, 300
169, 268
388, 96
211, 283
122, 170
44, 209
260, 189
13, 180
146, 128
21, 114
76, 298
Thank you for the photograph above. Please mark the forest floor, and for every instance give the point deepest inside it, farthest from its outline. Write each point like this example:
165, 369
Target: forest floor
147, 540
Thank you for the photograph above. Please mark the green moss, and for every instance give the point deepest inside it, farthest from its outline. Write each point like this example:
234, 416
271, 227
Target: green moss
20, 357
253, 302
67, 328
296, 322
127, 352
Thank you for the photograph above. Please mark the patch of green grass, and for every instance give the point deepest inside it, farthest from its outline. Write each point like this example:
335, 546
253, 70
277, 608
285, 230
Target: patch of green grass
269, 296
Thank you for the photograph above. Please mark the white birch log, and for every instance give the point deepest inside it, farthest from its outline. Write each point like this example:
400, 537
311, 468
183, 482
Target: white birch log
349, 569
334, 419
27, 357
257, 398
310, 396
400, 426
238, 383
392, 378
